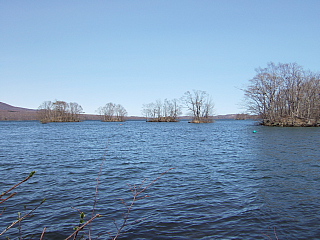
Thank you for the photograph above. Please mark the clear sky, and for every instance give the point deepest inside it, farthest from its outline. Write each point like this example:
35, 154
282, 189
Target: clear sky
135, 52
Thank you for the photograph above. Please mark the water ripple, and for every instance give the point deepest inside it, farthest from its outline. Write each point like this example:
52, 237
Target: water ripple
227, 183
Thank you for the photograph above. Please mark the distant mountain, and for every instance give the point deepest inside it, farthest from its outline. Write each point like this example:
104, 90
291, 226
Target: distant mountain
11, 113
226, 116
7, 107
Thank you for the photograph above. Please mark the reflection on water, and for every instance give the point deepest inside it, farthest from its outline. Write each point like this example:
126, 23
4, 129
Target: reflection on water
228, 182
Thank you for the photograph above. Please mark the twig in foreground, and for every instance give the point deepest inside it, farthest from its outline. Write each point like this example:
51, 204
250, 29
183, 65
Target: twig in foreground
26, 179
80, 228
20, 219
43, 232
136, 191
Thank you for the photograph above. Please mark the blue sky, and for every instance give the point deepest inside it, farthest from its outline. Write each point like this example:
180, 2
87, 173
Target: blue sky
135, 52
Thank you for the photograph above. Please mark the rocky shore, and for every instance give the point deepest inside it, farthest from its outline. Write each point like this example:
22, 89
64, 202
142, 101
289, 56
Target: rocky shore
292, 122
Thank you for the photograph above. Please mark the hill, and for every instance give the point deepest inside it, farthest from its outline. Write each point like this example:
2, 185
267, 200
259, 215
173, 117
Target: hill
7, 107
11, 113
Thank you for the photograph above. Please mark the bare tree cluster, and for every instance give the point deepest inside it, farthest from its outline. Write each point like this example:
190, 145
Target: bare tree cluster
200, 106
285, 95
166, 111
59, 111
112, 112
198, 103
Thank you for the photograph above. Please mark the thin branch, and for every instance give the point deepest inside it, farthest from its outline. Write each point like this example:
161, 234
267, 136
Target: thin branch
136, 192
116, 224
20, 219
80, 228
97, 188
3, 210
275, 233
11, 195
43, 232
26, 179
155, 180
267, 236
97, 185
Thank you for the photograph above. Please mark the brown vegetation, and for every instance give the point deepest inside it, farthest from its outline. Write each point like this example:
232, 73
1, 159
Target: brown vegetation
112, 112
200, 106
167, 111
285, 95
59, 111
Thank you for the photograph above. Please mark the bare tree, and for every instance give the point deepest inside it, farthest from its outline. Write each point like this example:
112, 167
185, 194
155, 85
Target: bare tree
112, 112
172, 109
45, 112
74, 111
284, 95
120, 113
167, 111
200, 106
148, 110
59, 111
107, 112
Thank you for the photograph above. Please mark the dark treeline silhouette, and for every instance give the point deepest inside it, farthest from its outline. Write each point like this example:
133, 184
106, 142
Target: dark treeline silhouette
285, 95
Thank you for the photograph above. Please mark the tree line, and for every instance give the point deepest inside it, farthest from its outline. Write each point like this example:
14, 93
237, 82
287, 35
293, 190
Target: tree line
197, 102
285, 95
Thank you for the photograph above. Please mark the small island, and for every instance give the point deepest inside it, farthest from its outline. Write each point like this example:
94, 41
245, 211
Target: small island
166, 111
200, 106
285, 95
59, 111
197, 102
112, 112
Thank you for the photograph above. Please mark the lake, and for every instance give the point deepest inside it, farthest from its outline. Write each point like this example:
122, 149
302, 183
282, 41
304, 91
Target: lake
228, 181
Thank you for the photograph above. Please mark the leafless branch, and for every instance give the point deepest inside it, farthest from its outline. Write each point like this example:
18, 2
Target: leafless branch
16, 185
20, 219
43, 232
81, 227
136, 190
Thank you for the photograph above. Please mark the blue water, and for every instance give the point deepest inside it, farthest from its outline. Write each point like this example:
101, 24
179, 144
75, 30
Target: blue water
227, 183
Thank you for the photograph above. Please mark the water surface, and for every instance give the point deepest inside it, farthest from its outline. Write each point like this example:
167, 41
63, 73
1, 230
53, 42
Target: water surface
227, 183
